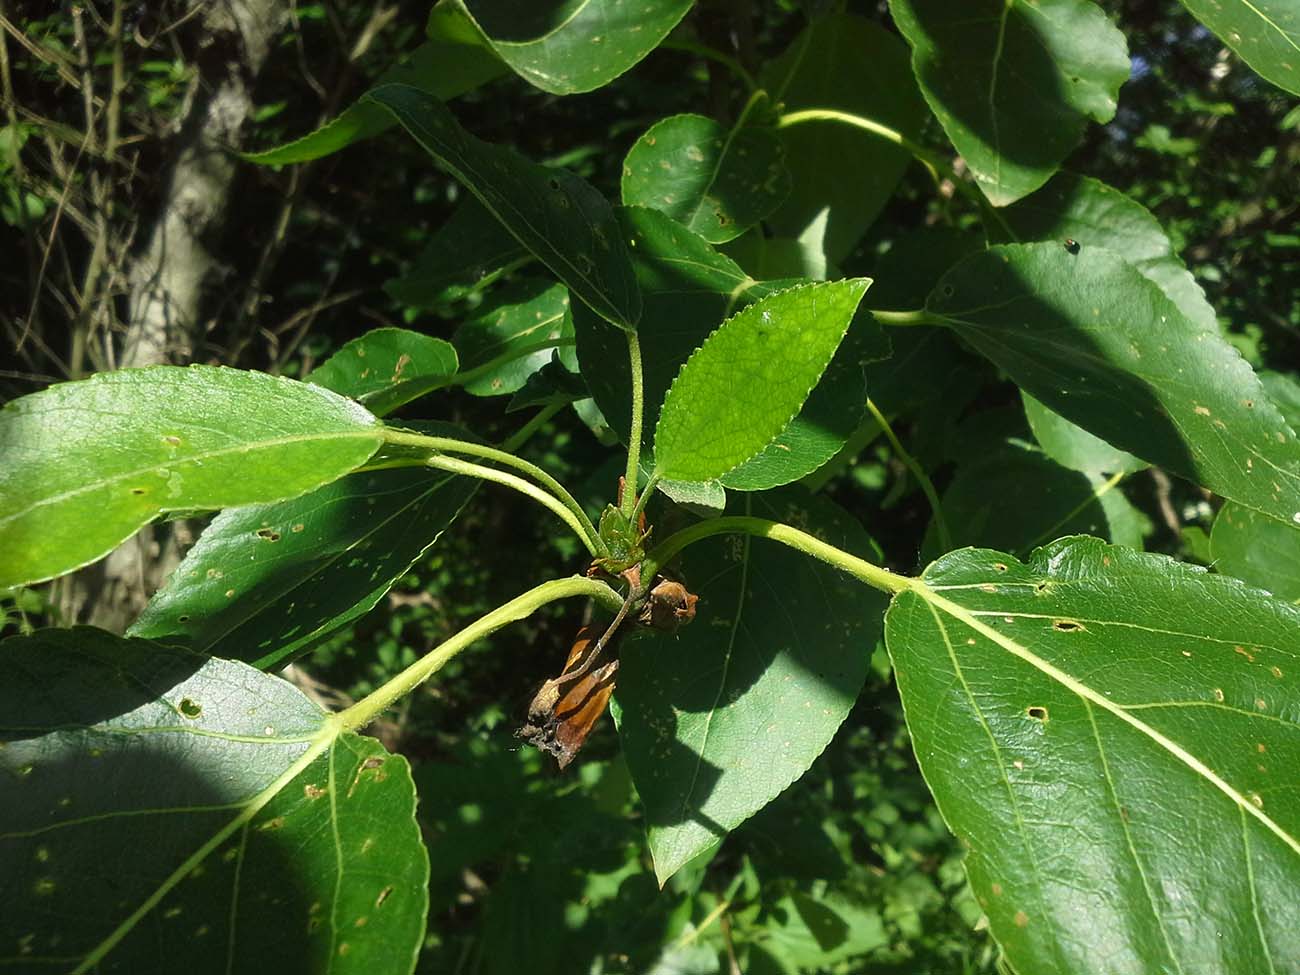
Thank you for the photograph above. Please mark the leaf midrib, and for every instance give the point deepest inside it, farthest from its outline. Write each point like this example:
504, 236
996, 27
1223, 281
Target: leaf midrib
371, 433
1087, 694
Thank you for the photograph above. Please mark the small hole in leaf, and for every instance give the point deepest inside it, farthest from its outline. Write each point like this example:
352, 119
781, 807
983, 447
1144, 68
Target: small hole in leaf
1066, 626
554, 184
947, 291
1037, 712
999, 567
1042, 586
137, 490
190, 708
183, 618
268, 534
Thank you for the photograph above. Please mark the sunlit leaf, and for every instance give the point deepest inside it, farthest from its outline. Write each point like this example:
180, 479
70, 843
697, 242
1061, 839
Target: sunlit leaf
387, 367
1263, 33
1091, 337
1111, 734
569, 46
719, 183
513, 334
88, 463
689, 289
779, 346
1014, 84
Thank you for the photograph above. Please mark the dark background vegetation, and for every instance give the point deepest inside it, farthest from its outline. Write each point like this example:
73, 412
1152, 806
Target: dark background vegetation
533, 870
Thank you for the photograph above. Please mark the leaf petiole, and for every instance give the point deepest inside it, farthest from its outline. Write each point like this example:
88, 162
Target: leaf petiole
370, 707
873, 575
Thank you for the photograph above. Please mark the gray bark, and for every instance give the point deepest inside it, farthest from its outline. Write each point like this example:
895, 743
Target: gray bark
172, 279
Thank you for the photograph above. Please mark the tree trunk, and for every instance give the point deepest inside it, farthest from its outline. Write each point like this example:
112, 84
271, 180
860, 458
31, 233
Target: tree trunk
172, 279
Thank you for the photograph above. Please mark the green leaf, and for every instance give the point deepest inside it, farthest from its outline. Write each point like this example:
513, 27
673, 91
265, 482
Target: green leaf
571, 46
468, 252
553, 384
688, 288
1013, 84
165, 811
1074, 447
1111, 735
1015, 498
557, 216
1092, 338
88, 463
1264, 552
741, 388
512, 335
1263, 33
1093, 214
829, 416
450, 63
842, 176
266, 583
387, 367
721, 717
705, 497
719, 183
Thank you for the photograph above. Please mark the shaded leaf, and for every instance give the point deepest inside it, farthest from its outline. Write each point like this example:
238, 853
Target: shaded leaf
778, 349
552, 384
1096, 341
1014, 84
570, 46
1263, 33
387, 367
1074, 447
88, 463
842, 176
450, 63
512, 335
466, 253
716, 182
722, 717
167, 811
1108, 732
1015, 498
557, 216
1264, 552
266, 583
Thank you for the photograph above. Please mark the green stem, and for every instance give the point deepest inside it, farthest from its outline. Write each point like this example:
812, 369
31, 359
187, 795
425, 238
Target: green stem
525, 433
713, 54
444, 463
918, 316
919, 152
573, 513
931, 160
922, 478
632, 476
370, 707
872, 575
645, 496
